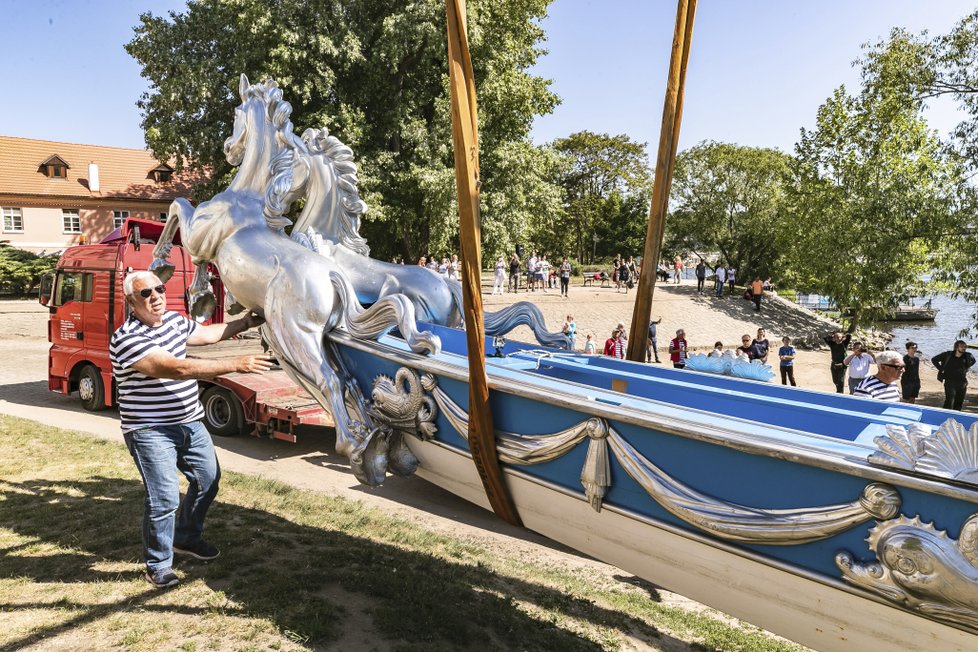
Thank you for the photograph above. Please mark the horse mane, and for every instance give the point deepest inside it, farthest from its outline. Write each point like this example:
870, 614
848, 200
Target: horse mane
287, 170
330, 153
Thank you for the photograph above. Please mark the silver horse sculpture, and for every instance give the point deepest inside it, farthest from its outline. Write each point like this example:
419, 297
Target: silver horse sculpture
301, 295
321, 277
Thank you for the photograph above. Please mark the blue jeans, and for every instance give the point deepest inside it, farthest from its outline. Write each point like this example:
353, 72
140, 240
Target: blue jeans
159, 451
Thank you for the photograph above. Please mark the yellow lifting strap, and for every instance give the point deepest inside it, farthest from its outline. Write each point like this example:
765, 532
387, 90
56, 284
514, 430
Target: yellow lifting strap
465, 137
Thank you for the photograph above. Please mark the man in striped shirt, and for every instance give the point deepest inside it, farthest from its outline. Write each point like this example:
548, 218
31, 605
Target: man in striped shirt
161, 418
884, 386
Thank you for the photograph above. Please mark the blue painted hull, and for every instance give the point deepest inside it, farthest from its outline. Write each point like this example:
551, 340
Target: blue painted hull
738, 445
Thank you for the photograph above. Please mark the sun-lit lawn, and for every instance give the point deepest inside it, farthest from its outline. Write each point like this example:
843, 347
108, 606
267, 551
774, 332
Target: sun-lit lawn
299, 570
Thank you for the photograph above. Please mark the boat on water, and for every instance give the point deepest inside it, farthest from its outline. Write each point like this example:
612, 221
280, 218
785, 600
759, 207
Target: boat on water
838, 522
912, 313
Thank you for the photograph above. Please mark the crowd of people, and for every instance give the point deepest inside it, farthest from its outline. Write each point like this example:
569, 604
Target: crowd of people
448, 267
896, 378
538, 272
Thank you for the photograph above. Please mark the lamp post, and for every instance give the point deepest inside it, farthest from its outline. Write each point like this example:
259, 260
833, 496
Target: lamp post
594, 246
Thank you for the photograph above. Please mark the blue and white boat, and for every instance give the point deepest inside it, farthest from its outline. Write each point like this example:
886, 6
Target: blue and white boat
838, 522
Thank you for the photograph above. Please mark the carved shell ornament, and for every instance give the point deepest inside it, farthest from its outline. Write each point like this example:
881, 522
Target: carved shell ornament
950, 452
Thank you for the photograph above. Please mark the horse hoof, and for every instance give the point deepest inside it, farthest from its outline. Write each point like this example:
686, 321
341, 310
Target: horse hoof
163, 269
202, 306
401, 460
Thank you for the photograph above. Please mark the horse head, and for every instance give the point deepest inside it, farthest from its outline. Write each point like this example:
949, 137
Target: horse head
262, 130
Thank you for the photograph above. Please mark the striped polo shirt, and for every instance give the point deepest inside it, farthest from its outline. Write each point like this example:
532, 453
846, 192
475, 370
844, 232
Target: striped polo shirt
146, 401
873, 387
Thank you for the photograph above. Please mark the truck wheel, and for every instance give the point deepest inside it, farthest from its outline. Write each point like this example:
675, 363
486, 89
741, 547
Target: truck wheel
223, 414
91, 389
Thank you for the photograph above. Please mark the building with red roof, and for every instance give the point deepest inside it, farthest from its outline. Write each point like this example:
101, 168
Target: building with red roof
54, 195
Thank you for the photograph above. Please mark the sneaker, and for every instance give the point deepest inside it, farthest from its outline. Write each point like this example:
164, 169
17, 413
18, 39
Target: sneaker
162, 578
200, 550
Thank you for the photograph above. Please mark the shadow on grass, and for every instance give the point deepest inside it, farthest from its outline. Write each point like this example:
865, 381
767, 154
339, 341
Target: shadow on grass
277, 569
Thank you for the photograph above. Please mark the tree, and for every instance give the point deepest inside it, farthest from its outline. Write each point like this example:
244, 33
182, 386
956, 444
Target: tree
21, 271
871, 197
919, 68
601, 172
729, 199
375, 74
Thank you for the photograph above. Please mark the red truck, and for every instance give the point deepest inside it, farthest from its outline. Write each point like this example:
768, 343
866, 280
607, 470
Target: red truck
85, 298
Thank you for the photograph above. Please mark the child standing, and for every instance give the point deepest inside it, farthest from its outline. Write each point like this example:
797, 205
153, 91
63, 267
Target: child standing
590, 348
787, 356
570, 330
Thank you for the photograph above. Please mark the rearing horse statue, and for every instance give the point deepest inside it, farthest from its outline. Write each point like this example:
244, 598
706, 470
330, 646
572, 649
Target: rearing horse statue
301, 295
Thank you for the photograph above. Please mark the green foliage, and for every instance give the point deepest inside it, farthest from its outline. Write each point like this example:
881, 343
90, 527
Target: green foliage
375, 73
872, 195
918, 68
607, 185
729, 200
21, 271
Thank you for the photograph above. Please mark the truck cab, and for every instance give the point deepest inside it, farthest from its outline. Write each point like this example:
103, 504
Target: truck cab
85, 298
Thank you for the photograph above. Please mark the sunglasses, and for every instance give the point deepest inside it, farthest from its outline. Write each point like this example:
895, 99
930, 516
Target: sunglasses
895, 366
146, 292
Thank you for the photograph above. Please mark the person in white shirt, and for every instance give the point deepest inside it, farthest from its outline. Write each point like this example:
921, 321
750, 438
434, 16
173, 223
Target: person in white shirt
721, 279
499, 282
858, 362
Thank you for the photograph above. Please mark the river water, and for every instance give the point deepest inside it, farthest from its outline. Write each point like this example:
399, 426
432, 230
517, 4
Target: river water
932, 337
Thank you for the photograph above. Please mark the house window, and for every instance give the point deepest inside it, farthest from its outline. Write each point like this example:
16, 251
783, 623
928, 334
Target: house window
118, 217
162, 173
163, 217
69, 217
13, 221
54, 167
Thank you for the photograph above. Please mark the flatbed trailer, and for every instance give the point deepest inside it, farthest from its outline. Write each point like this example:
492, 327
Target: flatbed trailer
268, 404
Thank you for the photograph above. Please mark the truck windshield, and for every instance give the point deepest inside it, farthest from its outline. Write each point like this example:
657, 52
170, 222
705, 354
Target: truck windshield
72, 286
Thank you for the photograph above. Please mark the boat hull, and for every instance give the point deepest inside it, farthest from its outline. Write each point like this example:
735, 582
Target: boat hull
820, 614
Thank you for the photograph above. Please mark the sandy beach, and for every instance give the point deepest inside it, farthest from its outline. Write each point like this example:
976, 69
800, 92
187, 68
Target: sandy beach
706, 319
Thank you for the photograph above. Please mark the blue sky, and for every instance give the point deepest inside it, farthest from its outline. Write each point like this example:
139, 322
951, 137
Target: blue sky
758, 69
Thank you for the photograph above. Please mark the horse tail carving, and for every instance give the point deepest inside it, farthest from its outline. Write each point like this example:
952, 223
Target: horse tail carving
524, 313
395, 310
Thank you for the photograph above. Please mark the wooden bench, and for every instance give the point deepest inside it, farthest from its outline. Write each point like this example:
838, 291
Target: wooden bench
591, 277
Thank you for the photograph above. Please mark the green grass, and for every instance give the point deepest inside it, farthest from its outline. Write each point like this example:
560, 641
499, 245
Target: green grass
300, 570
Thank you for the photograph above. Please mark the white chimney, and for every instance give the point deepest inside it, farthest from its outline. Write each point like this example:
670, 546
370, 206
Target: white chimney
93, 177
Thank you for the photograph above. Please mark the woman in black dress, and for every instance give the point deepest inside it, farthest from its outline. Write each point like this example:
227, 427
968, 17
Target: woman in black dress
910, 381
